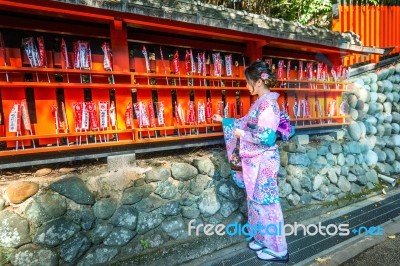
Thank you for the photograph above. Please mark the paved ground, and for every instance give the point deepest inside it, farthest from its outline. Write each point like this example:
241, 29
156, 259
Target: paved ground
358, 250
364, 250
385, 253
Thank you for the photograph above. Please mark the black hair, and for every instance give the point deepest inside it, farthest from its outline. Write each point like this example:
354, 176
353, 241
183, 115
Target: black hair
254, 70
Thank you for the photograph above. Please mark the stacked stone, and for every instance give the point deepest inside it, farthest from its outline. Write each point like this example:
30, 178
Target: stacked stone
375, 111
87, 221
353, 158
324, 172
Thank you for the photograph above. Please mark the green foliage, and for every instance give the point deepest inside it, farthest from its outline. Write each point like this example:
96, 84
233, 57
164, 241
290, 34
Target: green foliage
308, 12
144, 243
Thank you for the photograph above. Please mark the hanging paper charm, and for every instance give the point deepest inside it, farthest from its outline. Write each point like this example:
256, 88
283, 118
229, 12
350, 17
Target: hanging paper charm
228, 65
103, 112
82, 55
160, 113
31, 51
146, 58
113, 115
129, 116
107, 56
64, 54
25, 115
201, 112
54, 112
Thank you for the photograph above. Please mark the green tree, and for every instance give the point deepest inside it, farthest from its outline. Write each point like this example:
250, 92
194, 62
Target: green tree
308, 12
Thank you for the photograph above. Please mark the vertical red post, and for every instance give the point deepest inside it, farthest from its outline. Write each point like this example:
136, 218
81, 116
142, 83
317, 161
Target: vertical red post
119, 45
253, 52
368, 33
397, 21
378, 25
356, 26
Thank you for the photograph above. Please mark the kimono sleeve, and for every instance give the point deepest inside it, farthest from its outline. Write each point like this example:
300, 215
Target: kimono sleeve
265, 130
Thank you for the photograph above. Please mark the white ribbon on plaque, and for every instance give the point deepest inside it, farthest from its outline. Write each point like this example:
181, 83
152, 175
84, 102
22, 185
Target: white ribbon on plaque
25, 115
85, 117
201, 116
103, 112
228, 65
14, 119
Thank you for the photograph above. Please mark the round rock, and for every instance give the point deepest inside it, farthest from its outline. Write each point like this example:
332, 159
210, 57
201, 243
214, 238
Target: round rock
354, 131
21, 191
183, 171
104, 208
14, 230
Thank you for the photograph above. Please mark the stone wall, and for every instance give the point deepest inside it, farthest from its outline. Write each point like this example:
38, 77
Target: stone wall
92, 218
375, 112
353, 160
54, 217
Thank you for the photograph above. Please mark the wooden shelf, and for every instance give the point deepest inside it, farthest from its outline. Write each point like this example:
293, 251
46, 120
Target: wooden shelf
144, 129
323, 125
5, 69
159, 87
172, 138
309, 90
63, 85
62, 148
320, 118
313, 81
178, 87
153, 75
63, 135
105, 132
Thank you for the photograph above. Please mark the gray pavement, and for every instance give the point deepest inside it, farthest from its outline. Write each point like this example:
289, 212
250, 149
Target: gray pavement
385, 253
358, 250
364, 250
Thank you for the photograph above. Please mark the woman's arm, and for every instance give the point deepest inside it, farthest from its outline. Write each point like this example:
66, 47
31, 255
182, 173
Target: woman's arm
239, 122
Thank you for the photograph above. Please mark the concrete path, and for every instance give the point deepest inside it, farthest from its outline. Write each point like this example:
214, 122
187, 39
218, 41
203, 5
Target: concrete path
346, 251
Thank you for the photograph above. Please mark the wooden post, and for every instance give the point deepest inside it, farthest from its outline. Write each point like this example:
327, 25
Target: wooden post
119, 46
254, 51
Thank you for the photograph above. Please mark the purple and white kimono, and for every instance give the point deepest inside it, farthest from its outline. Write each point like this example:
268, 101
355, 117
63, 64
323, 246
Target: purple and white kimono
260, 163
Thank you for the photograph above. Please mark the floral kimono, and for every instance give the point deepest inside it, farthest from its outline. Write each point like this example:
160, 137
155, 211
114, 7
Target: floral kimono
260, 163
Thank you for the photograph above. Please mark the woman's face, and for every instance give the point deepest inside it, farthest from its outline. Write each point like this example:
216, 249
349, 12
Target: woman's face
253, 87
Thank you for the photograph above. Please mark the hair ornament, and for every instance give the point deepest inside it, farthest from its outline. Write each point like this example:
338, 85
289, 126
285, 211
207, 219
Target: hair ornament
264, 76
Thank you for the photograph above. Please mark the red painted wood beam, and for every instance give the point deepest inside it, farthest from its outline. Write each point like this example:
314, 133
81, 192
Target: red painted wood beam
55, 8
60, 27
268, 51
307, 47
190, 42
119, 44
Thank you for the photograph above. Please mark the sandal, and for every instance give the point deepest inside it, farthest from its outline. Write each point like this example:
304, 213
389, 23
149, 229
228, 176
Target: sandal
255, 245
262, 256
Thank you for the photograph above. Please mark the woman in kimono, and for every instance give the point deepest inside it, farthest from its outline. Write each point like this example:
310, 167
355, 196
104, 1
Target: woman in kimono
260, 159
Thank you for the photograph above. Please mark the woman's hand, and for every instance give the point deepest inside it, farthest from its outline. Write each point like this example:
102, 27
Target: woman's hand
238, 132
217, 118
